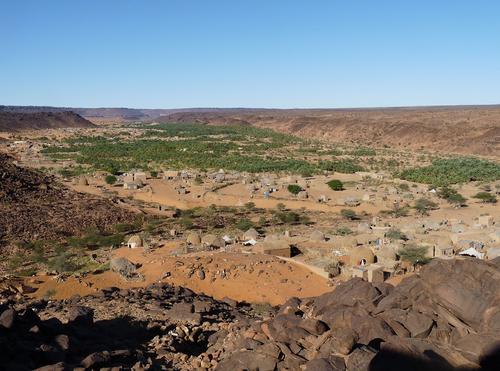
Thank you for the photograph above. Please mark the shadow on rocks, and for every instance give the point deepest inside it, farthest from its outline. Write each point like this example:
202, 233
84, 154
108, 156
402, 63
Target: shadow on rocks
31, 343
389, 360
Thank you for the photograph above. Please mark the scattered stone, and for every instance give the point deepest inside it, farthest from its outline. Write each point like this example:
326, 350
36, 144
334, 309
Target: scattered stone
79, 315
201, 274
7, 318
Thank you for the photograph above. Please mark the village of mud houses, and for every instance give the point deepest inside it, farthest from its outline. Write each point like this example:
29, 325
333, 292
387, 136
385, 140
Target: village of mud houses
349, 222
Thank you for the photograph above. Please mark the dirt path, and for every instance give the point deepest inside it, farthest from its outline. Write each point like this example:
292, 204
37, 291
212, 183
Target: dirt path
316, 270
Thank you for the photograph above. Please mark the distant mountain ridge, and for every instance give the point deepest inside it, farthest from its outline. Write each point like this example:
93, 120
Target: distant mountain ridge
464, 129
126, 114
16, 121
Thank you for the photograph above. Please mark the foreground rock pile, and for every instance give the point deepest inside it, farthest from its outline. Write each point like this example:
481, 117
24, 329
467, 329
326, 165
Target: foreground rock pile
447, 317
34, 206
160, 327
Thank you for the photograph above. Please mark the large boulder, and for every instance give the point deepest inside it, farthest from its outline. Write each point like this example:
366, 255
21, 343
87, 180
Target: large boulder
360, 359
325, 364
355, 292
475, 347
7, 318
213, 241
467, 288
123, 267
248, 360
340, 340
80, 315
463, 292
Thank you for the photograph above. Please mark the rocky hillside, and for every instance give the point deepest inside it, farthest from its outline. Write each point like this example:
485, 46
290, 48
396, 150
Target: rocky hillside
464, 130
16, 121
444, 318
35, 206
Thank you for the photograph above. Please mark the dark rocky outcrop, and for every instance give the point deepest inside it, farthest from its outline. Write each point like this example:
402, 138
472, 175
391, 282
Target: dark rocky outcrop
442, 318
35, 206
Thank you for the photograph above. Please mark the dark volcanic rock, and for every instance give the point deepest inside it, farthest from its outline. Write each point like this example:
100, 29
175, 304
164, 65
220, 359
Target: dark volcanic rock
35, 206
360, 359
325, 364
79, 315
425, 323
7, 318
246, 360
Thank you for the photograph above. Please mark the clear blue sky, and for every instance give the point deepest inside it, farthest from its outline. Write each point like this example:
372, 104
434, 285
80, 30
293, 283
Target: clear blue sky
253, 53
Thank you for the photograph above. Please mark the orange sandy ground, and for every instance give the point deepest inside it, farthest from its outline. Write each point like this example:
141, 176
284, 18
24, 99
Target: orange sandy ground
252, 278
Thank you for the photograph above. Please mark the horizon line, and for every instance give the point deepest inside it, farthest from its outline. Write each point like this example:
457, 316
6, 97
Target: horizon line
262, 108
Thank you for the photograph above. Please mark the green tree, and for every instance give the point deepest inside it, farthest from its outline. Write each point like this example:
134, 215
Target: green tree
288, 217
294, 189
244, 224
443, 172
395, 234
486, 197
423, 206
452, 196
111, 179
62, 263
349, 214
398, 211
416, 255
186, 222
335, 185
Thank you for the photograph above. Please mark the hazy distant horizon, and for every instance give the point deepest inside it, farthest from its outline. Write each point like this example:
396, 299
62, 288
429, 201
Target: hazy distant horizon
437, 106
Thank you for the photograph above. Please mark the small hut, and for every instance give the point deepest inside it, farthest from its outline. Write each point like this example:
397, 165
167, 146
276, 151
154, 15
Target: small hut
213, 241
130, 185
362, 256
134, 242
317, 236
251, 234
140, 177
193, 239
170, 175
